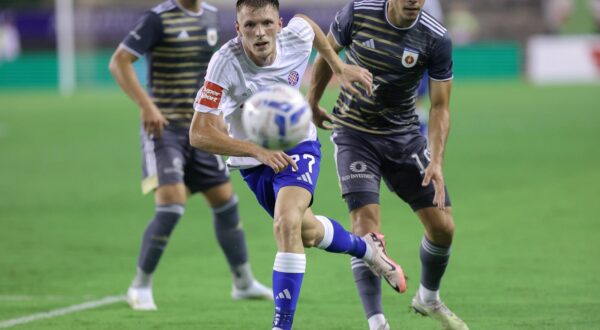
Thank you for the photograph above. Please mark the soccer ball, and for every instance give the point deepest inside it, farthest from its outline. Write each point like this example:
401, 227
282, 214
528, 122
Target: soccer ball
277, 117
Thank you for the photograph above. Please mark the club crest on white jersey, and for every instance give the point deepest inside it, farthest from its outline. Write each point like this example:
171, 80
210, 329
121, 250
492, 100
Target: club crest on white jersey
293, 78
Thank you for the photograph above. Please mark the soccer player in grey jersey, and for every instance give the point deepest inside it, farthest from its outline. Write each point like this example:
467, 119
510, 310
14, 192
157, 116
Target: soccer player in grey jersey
378, 136
178, 38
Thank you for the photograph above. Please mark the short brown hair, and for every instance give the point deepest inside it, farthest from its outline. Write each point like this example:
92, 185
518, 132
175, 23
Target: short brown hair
256, 4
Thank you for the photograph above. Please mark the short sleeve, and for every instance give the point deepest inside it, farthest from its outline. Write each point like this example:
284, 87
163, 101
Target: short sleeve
146, 33
300, 29
341, 28
216, 85
440, 66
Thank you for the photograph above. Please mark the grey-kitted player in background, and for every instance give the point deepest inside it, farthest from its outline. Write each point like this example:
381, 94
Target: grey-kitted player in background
178, 38
377, 136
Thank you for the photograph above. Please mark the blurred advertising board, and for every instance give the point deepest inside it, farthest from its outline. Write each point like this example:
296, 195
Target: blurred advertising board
563, 59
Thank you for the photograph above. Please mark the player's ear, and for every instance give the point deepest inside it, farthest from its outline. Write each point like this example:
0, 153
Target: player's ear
280, 24
237, 29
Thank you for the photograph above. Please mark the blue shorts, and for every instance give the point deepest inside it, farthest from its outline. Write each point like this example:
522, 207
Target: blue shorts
265, 183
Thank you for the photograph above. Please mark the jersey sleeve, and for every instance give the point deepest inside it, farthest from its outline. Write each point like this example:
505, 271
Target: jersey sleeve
341, 27
146, 33
216, 84
299, 29
440, 66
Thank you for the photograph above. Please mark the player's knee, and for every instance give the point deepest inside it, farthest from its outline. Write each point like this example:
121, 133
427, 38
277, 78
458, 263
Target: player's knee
170, 194
442, 231
286, 225
446, 230
219, 195
364, 210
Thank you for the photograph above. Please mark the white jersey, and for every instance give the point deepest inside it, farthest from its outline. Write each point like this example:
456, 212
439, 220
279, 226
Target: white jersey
231, 78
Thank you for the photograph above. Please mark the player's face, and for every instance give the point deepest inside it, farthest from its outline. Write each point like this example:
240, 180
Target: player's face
406, 10
258, 28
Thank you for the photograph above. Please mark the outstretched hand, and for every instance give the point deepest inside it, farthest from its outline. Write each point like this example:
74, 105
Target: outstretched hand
276, 159
321, 117
351, 74
433, 173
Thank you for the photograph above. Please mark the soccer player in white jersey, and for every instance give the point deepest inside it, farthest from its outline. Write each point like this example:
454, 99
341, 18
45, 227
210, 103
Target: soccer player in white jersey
265, 53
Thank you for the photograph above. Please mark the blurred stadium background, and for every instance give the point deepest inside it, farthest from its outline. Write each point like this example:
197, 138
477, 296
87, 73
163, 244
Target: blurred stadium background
522, 166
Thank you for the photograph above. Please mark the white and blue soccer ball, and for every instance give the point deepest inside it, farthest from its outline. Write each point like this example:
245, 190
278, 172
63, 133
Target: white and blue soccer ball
277, 117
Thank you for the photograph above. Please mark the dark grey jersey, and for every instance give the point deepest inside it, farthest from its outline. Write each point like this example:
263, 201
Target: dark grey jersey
178, 45
397, 58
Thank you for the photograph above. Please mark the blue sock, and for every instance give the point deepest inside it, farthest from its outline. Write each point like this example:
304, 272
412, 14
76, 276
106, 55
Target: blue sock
288, 272
336, 239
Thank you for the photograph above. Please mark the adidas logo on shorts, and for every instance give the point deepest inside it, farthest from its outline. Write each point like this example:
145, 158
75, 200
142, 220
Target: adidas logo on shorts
306, 178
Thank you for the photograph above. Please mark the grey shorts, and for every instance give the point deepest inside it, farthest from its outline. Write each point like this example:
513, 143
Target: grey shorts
171, 160
363, 159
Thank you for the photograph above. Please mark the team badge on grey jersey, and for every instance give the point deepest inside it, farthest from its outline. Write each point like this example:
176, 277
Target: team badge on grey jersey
409, 57
211, 36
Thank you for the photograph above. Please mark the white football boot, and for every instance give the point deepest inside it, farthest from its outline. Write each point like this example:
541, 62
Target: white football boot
378, 322
140, 299
254, 291
439, 312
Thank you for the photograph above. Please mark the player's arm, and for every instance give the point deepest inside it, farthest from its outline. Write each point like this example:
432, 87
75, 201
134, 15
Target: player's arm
146, 33
321, 75
121, 67
439, 127
206, 133
346, 73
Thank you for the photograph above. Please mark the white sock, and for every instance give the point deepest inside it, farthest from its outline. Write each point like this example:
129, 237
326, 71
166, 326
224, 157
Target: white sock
141, 279
376, 321
427, 296
327, 232
242, 276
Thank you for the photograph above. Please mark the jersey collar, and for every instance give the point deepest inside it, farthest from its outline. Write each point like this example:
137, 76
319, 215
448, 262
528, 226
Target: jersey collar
387, 3
189, 12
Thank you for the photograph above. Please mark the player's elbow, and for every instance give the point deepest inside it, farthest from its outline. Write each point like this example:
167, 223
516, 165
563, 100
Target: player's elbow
118, 61
197, 140
113, 66
442, 108
201, 141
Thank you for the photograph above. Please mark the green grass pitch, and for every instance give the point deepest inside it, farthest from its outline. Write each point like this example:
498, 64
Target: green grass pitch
522, 167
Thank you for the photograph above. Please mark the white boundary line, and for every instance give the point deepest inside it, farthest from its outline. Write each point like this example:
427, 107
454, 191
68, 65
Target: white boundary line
4, 298
62, 311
